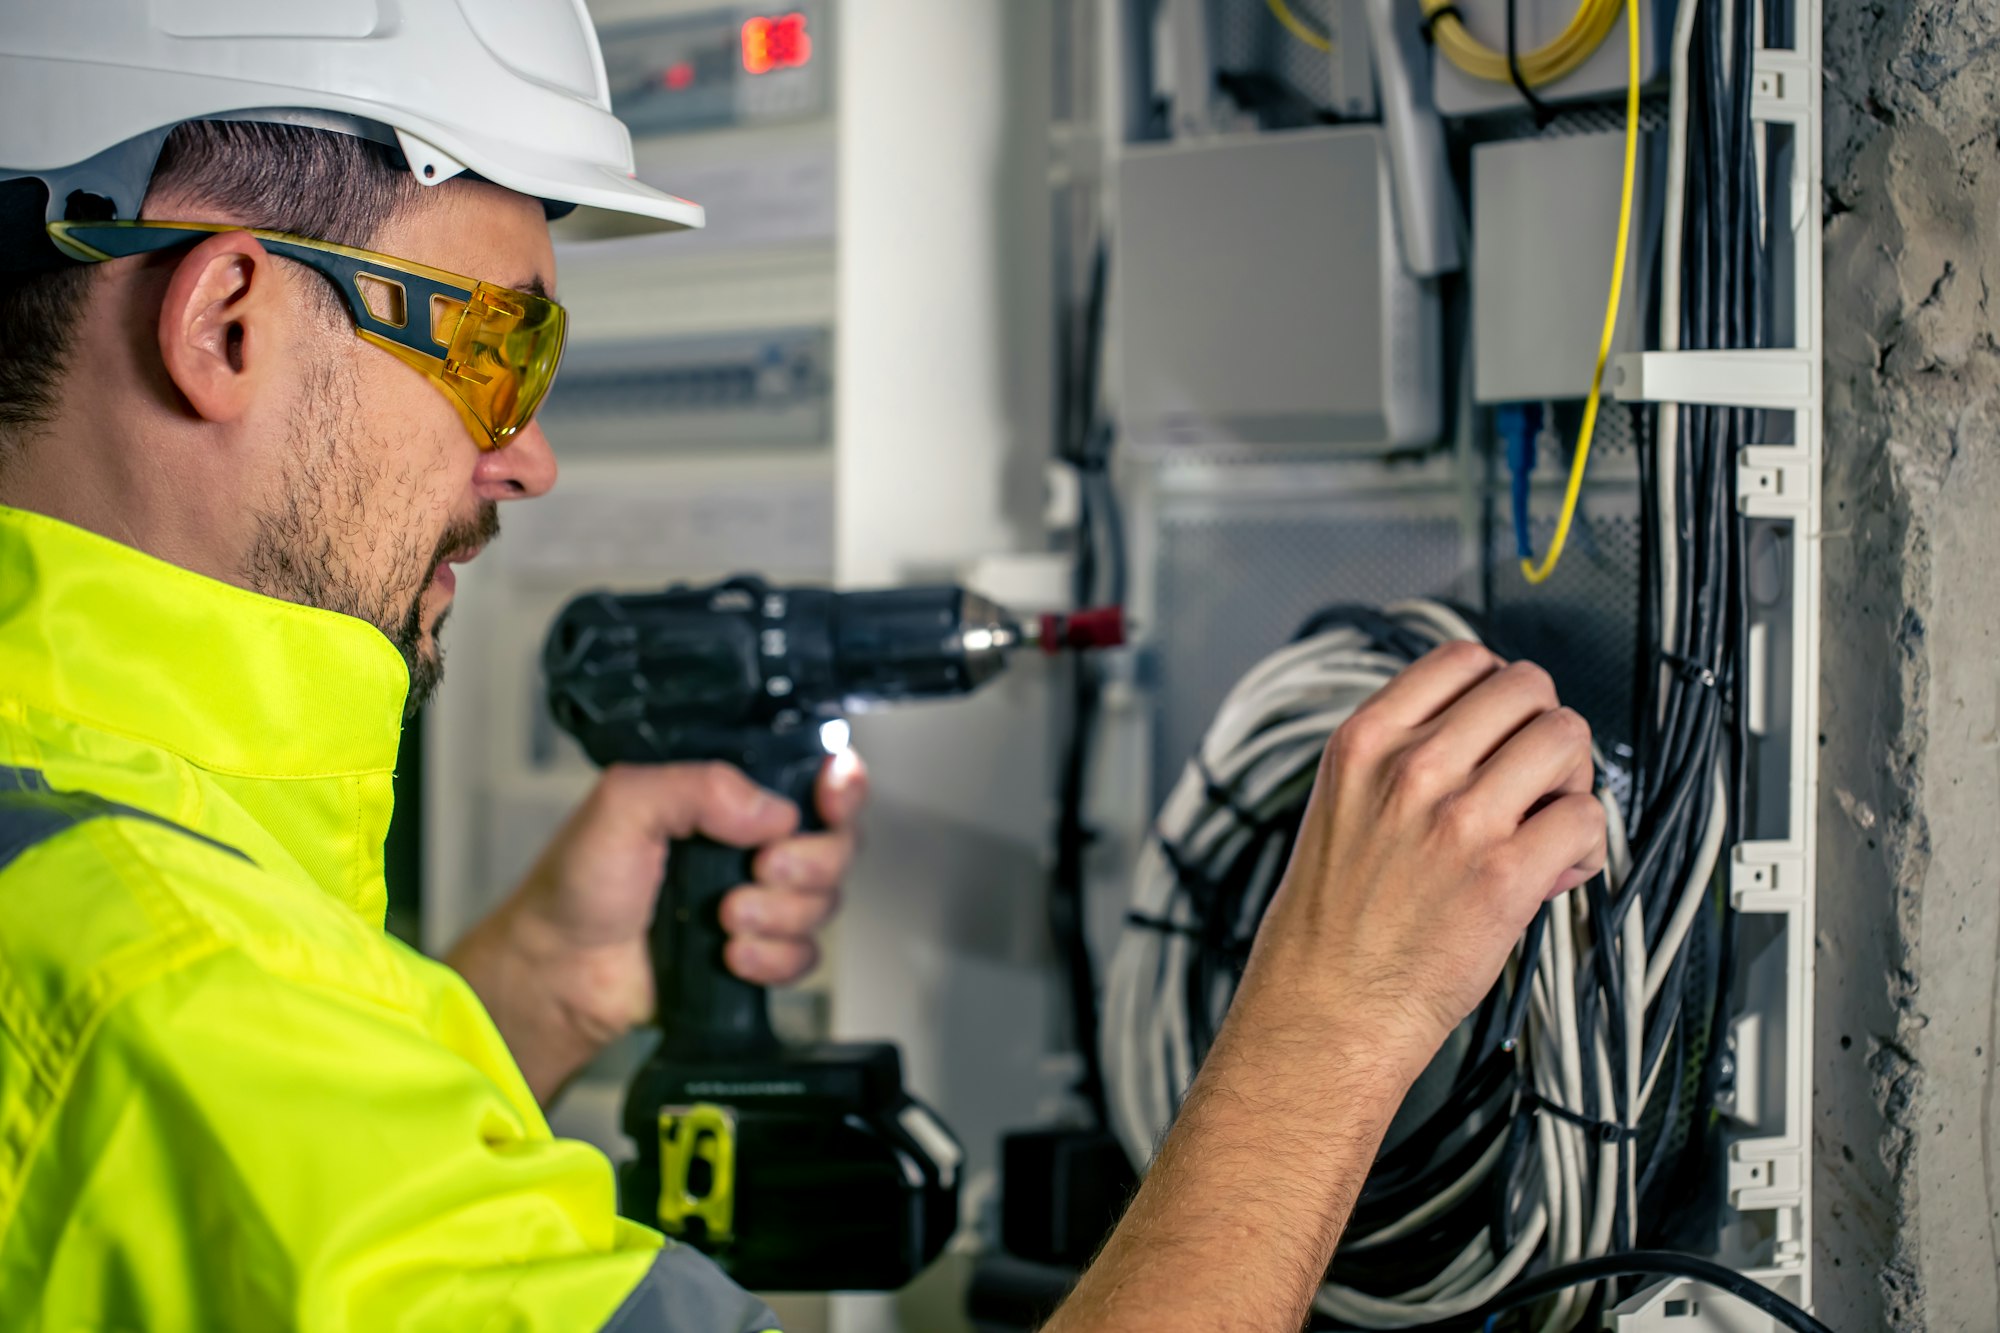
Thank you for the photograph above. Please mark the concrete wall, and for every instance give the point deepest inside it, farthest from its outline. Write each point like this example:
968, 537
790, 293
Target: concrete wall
1909, 898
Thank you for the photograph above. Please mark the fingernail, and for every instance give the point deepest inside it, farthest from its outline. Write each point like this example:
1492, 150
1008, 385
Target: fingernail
782, 869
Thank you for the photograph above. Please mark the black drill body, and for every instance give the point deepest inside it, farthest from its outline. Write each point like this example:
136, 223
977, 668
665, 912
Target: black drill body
797, 1168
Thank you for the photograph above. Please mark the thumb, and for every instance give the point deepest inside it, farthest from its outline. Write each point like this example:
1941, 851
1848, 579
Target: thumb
669, 801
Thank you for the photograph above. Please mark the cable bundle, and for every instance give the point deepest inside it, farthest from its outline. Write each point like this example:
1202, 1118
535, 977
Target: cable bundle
1225, 834
1529, 1155
1690, 774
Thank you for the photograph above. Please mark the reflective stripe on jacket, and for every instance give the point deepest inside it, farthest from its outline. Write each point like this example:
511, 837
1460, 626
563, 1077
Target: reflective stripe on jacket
228, 1100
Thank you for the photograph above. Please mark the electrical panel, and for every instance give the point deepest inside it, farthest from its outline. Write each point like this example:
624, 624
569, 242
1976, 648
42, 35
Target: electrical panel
741, 65
644, 396
1244, 517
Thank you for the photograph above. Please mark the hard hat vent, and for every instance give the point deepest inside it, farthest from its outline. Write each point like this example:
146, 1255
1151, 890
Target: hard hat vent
548, 41
261, 18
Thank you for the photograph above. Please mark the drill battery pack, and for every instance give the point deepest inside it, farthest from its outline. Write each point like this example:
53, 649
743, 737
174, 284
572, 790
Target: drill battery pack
801, 1169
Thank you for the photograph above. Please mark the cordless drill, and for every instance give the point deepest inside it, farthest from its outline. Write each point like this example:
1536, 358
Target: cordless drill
798, 1168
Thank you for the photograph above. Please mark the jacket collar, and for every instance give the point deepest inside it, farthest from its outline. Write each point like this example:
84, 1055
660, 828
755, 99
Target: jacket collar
230, 680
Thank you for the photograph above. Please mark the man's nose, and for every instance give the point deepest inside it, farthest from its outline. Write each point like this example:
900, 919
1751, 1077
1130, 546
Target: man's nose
521, 469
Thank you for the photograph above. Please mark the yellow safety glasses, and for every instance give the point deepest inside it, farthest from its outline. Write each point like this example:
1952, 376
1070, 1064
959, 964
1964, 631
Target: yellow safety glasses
494, 349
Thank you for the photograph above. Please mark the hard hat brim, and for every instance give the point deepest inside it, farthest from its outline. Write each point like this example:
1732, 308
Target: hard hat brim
611, 202
606, 202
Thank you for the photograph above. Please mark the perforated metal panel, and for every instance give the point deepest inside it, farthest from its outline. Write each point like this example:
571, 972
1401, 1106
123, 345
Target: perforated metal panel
1583, 623
1244, 36
1234, 573
1234, 579
1605, 117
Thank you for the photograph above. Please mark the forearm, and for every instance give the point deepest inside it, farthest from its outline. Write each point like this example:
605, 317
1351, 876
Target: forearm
1238, 1217
528, 982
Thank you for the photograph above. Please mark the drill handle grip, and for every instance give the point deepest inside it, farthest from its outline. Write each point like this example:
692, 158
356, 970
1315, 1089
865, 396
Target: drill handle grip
705, 1009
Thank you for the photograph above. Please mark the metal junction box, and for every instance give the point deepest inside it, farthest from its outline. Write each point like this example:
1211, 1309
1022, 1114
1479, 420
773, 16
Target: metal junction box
1544, 231
1261, 300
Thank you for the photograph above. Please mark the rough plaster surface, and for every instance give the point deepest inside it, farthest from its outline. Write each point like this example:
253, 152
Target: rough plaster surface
1909, 894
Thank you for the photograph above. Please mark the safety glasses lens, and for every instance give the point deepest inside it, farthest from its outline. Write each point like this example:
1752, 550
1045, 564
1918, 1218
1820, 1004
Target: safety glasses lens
503, 354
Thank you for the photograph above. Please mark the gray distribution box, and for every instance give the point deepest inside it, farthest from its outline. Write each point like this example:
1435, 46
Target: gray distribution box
1544, 228
1260, 299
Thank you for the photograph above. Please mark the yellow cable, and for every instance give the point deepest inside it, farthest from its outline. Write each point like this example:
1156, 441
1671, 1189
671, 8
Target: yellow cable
1533, 572
1586, 31
1297, 26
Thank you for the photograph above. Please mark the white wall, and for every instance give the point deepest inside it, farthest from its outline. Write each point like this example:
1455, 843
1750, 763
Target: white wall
943, 411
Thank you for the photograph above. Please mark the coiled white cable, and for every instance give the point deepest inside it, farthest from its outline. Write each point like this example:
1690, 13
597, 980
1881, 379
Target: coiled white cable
1262, 750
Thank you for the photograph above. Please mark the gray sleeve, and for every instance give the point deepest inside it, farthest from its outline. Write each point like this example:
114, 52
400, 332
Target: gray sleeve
684, 1292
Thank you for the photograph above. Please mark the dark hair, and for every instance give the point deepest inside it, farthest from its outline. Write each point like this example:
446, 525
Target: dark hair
318, 183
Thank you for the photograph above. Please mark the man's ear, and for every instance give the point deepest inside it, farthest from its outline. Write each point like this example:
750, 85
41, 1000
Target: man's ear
219, 322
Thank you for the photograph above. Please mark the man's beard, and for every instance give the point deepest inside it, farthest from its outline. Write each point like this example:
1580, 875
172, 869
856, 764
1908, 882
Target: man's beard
314, 547
427, 665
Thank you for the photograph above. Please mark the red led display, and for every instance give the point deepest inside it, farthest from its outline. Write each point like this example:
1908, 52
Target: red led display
679, 77
777, 42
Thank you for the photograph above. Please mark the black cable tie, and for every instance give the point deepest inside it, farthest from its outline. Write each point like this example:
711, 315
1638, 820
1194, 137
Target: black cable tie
1691, 671
1218, 794
1604, 1131
1436, 16
1186, 874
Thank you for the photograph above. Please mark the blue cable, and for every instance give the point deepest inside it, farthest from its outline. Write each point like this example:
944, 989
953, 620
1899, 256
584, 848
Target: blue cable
1518, 424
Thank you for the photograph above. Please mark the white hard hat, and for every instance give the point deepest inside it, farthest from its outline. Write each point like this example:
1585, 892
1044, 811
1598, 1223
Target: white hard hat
511, 90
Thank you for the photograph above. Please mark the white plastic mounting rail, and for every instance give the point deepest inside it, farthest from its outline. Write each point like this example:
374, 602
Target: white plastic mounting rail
1769, 880
1776, 379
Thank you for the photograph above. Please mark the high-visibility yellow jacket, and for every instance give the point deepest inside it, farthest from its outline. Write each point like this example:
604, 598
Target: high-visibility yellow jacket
228, 1100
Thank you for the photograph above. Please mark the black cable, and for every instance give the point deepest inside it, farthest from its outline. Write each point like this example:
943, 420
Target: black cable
1610, 980
1541, 110
1531, 957
1695, 718
1645, 437
1751, 297
1642, 1263
1088, 404
1086, 446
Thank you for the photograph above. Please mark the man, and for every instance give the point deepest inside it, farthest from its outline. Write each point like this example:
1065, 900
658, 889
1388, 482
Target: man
227, 1100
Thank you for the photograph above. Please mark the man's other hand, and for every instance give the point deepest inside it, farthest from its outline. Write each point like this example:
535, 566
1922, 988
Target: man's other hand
1446, 811
563, 964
